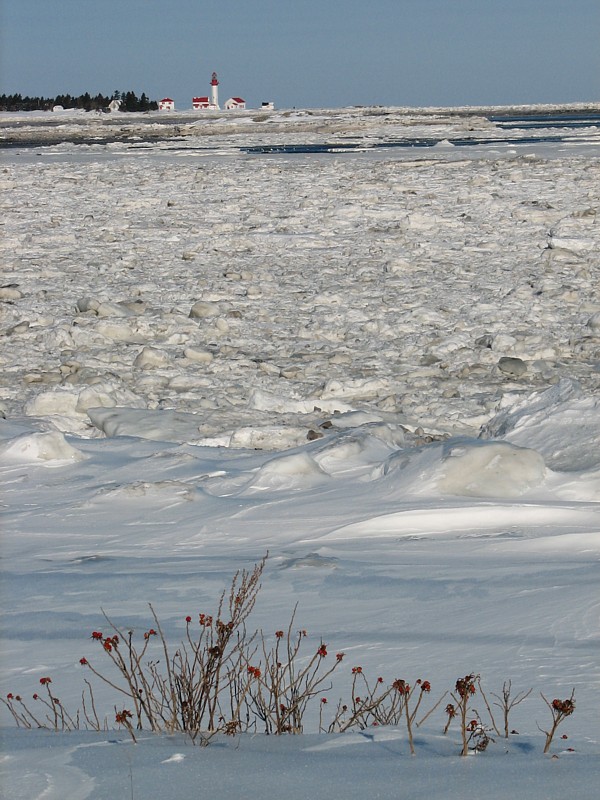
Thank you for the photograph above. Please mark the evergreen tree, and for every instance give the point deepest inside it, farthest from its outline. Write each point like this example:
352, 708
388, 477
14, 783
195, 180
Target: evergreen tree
129, 100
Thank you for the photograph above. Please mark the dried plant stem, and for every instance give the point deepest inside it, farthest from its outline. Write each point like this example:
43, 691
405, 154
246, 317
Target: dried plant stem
487, 705
507, 703
409, 718
431, 710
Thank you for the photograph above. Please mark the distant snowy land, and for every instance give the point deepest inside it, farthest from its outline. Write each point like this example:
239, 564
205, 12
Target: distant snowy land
365, 341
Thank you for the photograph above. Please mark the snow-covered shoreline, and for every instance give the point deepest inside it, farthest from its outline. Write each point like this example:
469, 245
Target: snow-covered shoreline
46, 127
382, 368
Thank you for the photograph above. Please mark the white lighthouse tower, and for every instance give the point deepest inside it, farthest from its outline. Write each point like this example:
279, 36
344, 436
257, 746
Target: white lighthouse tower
214, 91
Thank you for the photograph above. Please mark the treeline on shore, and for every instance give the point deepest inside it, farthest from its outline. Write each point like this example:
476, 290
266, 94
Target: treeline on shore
129, 101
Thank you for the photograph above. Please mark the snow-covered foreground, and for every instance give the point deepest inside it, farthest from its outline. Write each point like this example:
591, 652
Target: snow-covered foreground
381, 367
353, 766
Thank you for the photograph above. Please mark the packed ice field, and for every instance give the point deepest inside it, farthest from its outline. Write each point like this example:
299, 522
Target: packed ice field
298, 333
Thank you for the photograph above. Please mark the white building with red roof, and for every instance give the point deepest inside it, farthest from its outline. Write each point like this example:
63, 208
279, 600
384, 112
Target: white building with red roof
166, 104
235, 102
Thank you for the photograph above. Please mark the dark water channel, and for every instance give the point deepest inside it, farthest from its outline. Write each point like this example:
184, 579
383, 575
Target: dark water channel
524, 124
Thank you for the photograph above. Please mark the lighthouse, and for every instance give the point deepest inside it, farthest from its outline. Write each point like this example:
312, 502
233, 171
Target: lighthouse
214, 91
212, 103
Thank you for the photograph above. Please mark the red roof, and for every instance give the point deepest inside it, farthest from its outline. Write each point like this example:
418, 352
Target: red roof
166, 100
199, 99
238, 100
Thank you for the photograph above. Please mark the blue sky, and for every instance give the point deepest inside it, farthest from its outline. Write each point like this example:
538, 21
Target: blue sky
307, 53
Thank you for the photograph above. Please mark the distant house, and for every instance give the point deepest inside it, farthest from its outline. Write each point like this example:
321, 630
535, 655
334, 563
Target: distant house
199, 103
267, 105
235, 103
166, 104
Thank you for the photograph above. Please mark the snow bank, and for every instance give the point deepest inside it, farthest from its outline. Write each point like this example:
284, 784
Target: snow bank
163, 425
352, 765
491, 470
292, 472
50, 448
560, 423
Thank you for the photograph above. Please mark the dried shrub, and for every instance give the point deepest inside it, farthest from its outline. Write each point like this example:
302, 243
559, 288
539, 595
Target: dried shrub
283, 682
223, 678
560, 710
